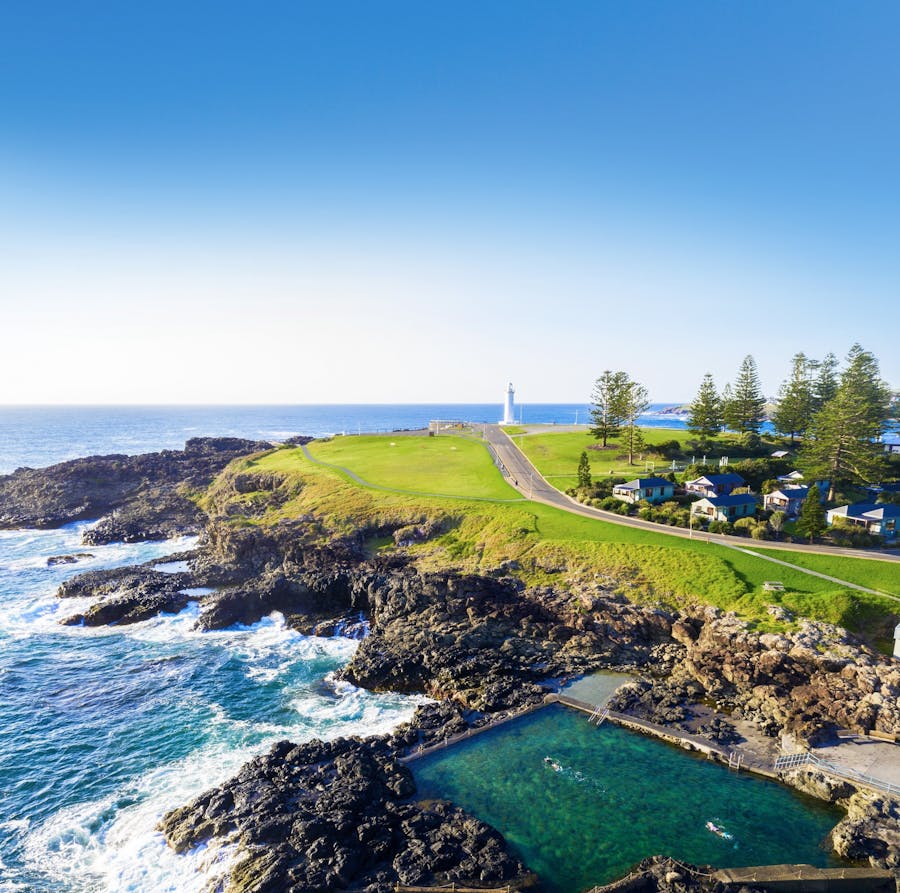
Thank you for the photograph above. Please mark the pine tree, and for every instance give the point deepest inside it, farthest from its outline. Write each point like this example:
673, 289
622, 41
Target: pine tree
725, 402
636, 402
796, 399
584, 471
705, 414
842, 442
608, 405
745, 410
812, 516
827, 381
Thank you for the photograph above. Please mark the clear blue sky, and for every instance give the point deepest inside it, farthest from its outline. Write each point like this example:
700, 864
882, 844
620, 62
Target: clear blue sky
335, 201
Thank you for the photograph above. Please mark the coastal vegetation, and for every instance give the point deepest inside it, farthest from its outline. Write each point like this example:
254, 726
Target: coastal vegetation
536, 543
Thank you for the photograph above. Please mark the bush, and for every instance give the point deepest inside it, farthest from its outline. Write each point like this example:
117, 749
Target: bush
719, 527
610, 503
668, 449
744, 526
760, 532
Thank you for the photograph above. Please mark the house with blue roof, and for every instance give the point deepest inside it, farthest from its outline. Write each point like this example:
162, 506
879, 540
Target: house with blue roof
789, 500
725, 508
879, 518
715, 484
652, 489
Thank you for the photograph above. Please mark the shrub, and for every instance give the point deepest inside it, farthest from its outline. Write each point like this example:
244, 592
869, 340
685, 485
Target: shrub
610, 503
668, 449
719, 527
760, 532
744, 525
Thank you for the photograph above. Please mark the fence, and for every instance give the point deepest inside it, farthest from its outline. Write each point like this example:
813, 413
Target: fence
798, 760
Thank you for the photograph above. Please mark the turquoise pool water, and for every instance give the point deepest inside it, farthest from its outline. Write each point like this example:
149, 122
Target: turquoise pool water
614, 797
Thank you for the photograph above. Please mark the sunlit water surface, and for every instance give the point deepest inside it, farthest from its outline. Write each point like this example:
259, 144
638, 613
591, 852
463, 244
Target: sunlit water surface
581, 804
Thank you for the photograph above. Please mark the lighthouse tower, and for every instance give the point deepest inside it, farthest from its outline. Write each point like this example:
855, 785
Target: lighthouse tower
509, 406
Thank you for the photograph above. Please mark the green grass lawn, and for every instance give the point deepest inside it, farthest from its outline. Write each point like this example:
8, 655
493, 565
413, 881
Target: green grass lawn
881, 575
549, 544
556, 454
446, 465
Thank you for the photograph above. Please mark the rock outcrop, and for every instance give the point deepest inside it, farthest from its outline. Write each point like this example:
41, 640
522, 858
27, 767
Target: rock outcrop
136, 497
331, 815
125, 595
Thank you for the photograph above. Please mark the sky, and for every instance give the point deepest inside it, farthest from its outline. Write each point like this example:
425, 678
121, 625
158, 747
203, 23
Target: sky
316, 202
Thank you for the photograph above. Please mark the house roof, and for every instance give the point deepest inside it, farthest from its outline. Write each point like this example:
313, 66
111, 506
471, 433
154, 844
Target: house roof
780, 454
792, 492
641, 483
716, 480
871, 511
731, 499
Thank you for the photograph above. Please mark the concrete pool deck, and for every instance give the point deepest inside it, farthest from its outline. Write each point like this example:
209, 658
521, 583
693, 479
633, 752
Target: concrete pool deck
864, 756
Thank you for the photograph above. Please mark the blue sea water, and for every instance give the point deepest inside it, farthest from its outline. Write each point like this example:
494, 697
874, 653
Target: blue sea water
36, 436
104, 730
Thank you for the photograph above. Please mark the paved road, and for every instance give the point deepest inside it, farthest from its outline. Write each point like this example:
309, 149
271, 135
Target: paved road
528, 481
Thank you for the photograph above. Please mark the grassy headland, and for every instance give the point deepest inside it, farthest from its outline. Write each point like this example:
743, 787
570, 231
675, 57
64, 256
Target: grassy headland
537, 543
555, 454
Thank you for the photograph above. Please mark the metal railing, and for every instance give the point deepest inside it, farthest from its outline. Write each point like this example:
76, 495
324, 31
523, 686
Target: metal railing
796, 760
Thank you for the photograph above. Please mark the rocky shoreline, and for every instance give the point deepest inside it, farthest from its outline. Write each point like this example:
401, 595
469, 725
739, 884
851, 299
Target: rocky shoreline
343, 815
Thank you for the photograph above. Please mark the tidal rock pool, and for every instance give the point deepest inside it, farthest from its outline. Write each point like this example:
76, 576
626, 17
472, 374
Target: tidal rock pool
581, 804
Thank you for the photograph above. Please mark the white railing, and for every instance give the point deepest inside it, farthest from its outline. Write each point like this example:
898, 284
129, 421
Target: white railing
796, 760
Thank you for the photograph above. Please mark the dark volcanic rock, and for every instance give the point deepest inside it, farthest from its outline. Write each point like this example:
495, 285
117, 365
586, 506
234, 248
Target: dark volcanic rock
146, 492
55, 560
327, 816
125, 595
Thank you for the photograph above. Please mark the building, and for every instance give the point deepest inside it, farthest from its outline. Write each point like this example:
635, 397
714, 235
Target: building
791, 479
725, 508
881, 519
780, 454
715, 484
652, 489
509, 409
892, 445
789, 500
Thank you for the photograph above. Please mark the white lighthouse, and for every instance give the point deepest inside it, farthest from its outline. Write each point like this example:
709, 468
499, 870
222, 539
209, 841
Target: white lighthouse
509, 406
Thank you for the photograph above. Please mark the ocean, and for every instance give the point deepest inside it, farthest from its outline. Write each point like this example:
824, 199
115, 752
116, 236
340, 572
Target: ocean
104, 730
36, 436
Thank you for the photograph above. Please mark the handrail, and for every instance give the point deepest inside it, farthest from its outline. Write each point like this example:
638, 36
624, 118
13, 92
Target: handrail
796, 760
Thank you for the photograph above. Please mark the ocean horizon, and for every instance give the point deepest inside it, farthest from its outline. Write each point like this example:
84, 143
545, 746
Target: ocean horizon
37, 436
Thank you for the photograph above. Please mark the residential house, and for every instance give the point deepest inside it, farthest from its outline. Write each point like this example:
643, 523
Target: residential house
791, 479
652, 489
787, 500
715, 484
879, 518
892, 445
780, 454
725, 508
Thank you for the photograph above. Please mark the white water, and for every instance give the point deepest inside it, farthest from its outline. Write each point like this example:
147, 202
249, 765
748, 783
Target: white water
112, 727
